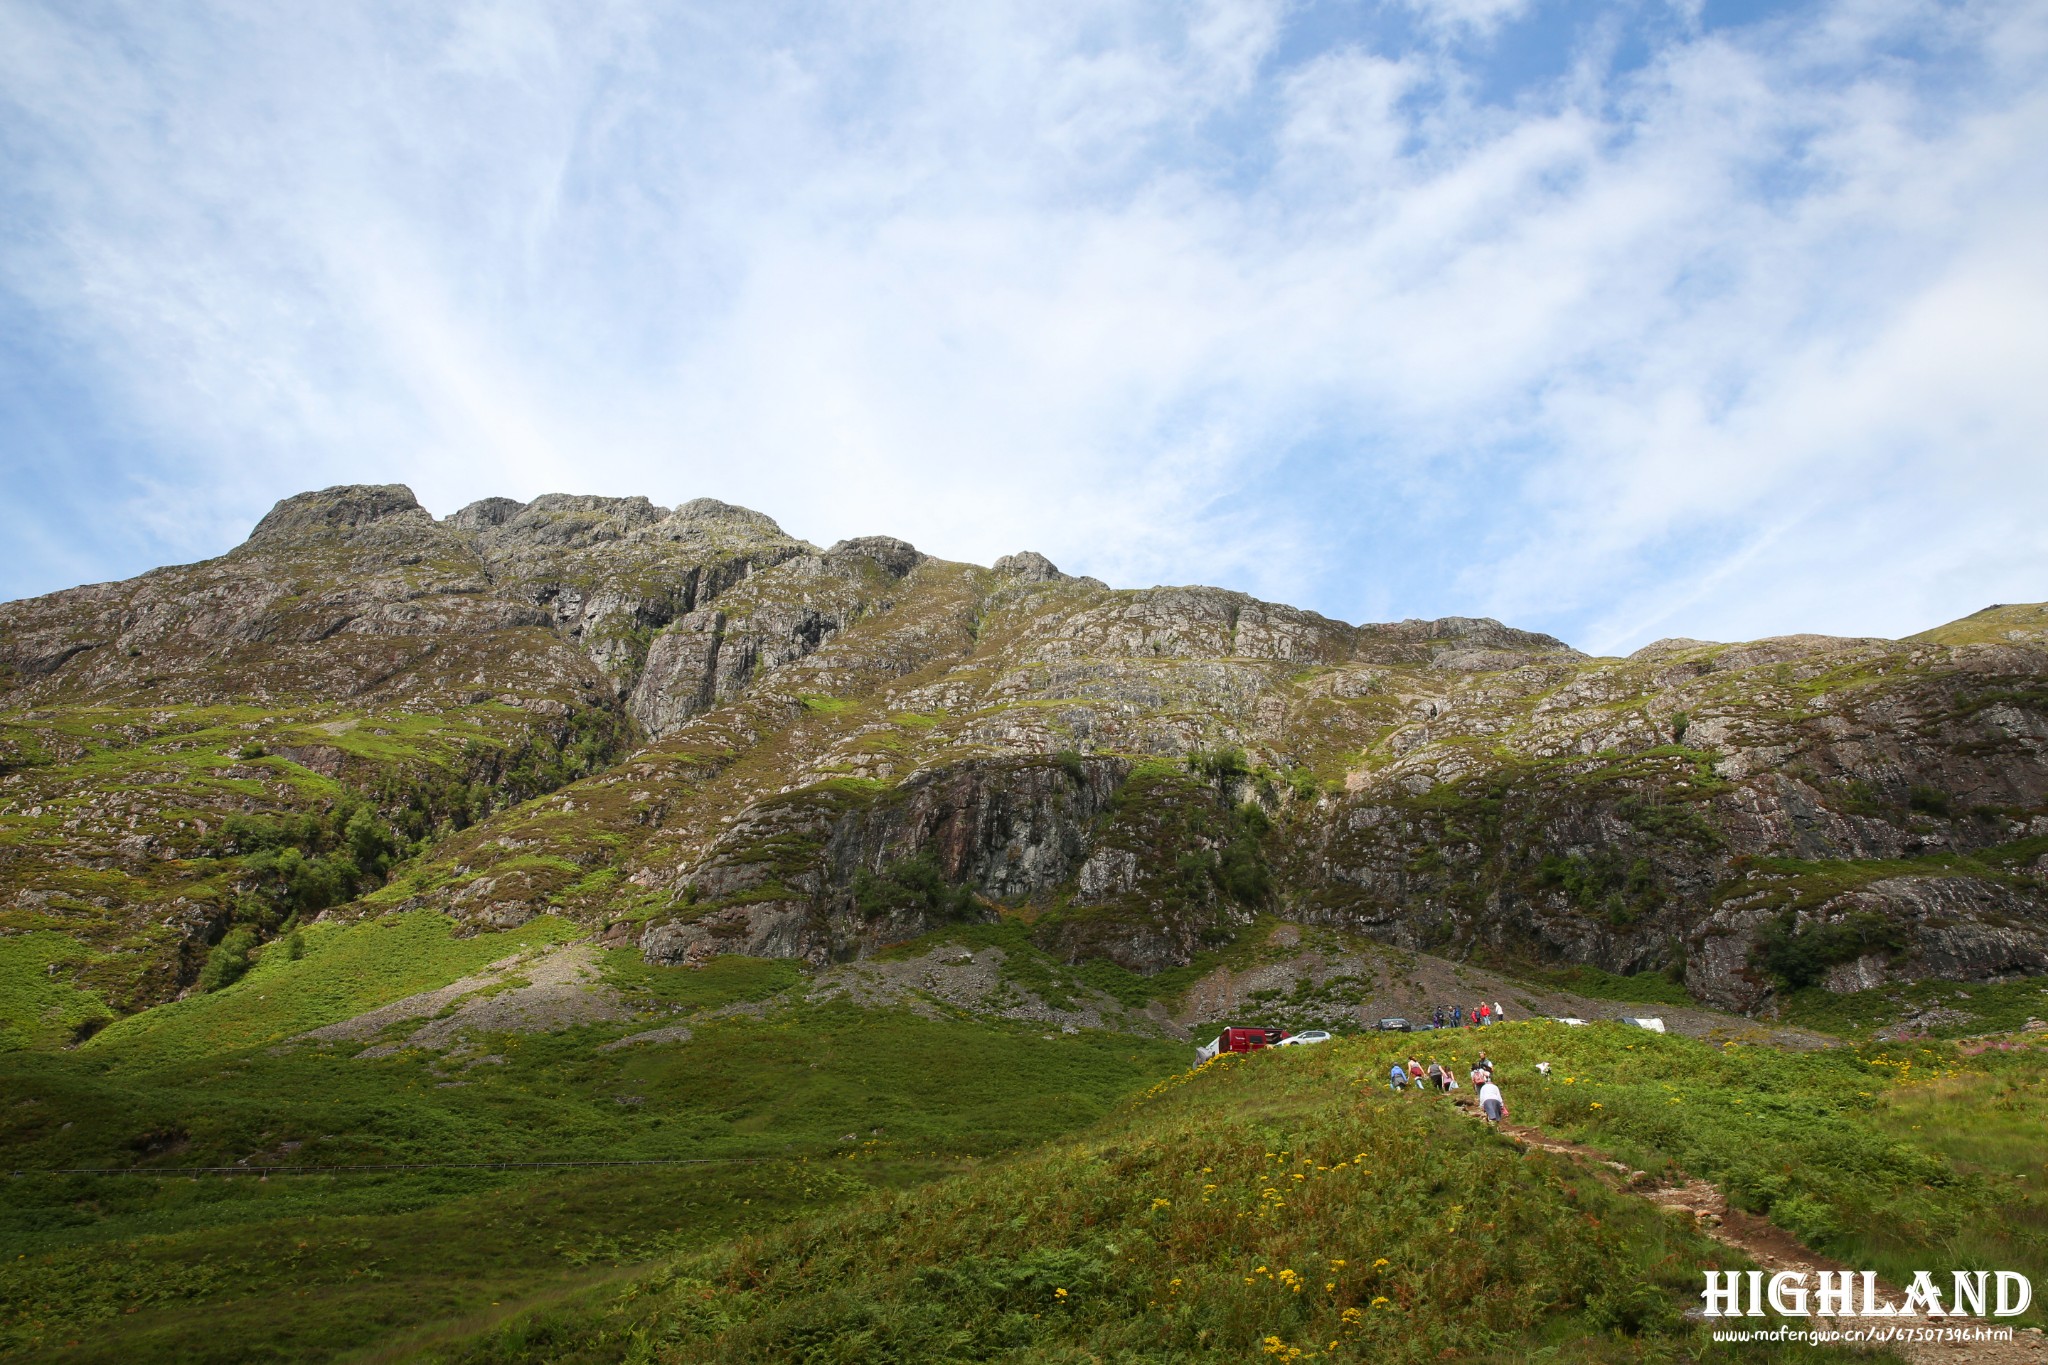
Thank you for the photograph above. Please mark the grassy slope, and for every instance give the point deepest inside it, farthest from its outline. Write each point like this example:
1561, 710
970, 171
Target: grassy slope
1815, 1140
38, 1007
1942, 1009
1858, 1150
345, 969
805, 1105
1282, 1204
78, 781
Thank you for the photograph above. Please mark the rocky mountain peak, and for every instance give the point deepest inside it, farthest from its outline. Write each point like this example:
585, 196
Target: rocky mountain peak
1030, 566
1668, 648
575, 519
485, 513
343, 508
713, 514
897, 557
1471, 630
756, 729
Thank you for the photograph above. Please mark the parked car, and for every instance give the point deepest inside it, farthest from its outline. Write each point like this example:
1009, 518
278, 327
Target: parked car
1396, 1026
1314, 1035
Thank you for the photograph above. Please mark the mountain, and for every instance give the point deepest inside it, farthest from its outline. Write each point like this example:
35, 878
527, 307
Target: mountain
701, 736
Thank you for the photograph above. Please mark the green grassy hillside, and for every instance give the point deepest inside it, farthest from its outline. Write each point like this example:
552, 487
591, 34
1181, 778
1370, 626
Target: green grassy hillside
1286, 1205
881, 1184
792, 1108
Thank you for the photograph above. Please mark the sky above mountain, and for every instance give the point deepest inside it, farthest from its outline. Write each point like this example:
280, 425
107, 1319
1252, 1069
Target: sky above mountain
1613, 320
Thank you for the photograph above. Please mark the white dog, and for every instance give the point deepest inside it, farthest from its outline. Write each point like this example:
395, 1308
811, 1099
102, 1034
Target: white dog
1543, 1068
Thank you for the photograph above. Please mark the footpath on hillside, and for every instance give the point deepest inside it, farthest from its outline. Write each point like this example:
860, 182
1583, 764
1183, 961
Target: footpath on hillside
1770, 1246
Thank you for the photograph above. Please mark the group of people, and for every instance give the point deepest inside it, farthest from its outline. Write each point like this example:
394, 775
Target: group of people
1440, 1077
1457, 1016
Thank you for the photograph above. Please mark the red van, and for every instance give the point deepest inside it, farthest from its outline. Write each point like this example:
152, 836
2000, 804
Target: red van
1239, 1040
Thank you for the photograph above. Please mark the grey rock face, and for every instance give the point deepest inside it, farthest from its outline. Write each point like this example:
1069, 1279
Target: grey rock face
896, 557
709, 657
1007, 828
710, 513
485, 513
1452, 785
1030, 567
342, 508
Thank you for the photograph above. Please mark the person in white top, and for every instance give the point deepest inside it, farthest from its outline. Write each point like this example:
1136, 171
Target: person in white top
1490, 1102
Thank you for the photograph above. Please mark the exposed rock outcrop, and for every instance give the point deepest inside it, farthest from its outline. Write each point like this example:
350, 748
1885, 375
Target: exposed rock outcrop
757, 745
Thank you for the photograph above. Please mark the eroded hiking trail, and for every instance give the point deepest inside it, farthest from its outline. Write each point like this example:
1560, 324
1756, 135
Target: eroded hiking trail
1770, 1246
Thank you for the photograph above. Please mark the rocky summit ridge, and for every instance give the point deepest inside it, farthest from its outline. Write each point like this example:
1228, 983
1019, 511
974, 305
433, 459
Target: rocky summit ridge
699, 734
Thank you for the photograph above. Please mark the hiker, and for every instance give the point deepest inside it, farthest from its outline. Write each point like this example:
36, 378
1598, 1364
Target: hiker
1481, 1073
1498, 1013
1491, 1104
1436, 1017
1457, 1016
1482, 1014
1397, 1078
1436, 1075
1415, 1073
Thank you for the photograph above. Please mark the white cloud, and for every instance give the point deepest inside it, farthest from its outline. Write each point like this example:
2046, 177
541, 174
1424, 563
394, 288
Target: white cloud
1694, 348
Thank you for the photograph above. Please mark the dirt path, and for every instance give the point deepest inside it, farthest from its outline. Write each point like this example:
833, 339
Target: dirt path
1770, 1246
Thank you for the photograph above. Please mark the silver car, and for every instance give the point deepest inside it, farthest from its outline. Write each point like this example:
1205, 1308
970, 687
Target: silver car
1314, 1035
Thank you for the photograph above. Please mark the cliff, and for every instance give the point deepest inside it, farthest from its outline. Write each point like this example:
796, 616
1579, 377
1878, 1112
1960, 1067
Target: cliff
698, 733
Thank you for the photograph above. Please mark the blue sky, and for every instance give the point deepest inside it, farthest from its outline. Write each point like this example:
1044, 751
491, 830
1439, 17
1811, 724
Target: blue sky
1614, 320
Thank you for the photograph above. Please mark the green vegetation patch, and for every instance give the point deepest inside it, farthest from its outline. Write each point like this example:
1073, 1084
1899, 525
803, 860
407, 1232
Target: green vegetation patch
105, 1269
1590, 981
724, 980
1802, 1137
1935, 1009
343, 970
1269, 1206
1806, 885
39, 1006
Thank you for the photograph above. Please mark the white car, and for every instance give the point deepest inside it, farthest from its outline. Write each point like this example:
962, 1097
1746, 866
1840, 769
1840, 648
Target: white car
1314, 1035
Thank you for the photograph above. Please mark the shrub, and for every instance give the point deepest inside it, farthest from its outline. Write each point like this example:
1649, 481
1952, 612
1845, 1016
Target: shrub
1219, 765
911, 884
1930, 801
1242, 872
1801, 956
228, 960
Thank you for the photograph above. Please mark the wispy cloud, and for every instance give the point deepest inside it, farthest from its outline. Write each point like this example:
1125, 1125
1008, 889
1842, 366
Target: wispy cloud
1712, 331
